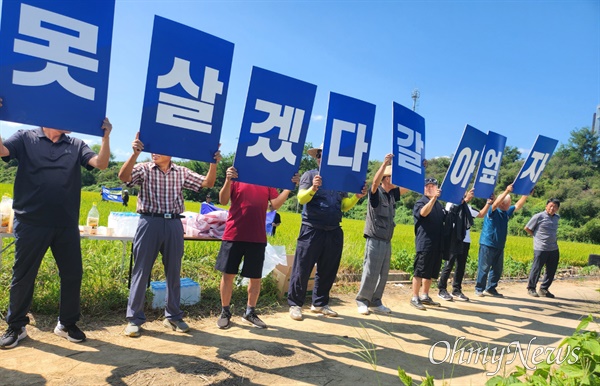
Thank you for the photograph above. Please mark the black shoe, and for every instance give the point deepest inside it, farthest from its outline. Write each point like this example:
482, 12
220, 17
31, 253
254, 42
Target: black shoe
459, 296
545, 293
12, 336
254, 320
493, 292
71, 332
224, 320
444, 295
531, 292
415, 302
425, 299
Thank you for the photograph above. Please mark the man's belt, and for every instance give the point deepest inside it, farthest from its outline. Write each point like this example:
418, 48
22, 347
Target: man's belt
163, 215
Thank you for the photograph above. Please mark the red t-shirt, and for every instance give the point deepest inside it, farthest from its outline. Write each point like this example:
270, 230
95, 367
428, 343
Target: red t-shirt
248, 212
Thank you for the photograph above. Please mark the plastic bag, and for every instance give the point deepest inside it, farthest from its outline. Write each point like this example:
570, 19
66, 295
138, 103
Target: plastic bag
274, 254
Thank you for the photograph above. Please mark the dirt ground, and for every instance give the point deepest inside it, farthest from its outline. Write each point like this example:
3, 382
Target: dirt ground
315, 351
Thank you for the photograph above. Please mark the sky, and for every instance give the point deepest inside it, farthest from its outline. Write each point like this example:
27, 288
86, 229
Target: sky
519, 68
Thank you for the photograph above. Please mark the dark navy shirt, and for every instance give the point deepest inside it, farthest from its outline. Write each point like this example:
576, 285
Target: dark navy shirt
324, 210
47, 189
428, 230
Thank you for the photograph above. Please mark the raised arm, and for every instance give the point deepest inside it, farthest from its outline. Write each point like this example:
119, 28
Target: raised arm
211, 176
426, 209
225, 192
100, 161
379, 174
127, 168
305, 195
521, 202
501, 197
278, 201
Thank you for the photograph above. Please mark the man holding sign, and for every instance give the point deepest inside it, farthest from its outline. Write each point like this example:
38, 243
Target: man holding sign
47, 195
492, 242
245, 237
320, 241
160, 204
428, 215
379, 229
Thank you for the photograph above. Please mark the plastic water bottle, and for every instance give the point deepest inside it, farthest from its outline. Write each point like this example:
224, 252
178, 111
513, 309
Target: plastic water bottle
5, 211
93, 219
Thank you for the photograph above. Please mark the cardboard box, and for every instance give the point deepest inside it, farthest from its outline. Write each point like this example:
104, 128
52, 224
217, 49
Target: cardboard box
282, 274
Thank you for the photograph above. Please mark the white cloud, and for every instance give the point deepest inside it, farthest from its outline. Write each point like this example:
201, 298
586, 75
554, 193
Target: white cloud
317, 117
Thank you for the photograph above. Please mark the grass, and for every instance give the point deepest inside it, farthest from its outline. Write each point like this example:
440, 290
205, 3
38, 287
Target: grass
104, 287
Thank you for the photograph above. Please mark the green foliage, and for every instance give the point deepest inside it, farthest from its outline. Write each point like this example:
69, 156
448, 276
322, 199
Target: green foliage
579, 366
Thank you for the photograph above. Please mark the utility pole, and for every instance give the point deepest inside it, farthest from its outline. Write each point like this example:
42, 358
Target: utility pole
415, 97
596, 120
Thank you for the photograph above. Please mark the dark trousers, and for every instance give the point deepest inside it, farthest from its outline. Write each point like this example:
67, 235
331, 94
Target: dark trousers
460, 258
323, 248
31, 245
541, 258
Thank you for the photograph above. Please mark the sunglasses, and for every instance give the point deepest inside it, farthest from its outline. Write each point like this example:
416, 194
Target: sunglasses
431, 181
318, 155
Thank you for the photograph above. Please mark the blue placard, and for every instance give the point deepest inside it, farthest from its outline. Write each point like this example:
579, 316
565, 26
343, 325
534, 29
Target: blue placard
54, 62
534, 165
463, 165
276, 118
186, 89
347, 143
408, 141
112, 194
487, 174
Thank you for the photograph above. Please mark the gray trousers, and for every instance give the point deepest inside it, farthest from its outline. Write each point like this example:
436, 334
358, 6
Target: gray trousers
375, 272
155, 235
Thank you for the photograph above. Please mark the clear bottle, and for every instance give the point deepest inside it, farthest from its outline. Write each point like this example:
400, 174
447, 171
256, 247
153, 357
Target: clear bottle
93, 219
5, 209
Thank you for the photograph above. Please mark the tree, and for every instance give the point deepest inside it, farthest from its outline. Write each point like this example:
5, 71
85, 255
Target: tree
583, 146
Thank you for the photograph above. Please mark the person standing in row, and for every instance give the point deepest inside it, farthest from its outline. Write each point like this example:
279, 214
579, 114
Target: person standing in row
543, 227
492, 242
460, 243
320, 241
428, 216
245, 237
160, 204
379, 229
47, 195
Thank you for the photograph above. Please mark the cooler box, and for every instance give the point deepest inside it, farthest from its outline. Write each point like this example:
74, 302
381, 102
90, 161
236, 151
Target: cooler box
190, 293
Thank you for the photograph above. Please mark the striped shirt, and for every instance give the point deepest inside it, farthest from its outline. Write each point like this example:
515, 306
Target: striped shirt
161, 192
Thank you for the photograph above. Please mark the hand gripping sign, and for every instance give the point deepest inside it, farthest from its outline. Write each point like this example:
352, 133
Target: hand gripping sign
276, 118
534, 165
487, 174
54, 62
186, 89
408, 142
463, 165
347, 142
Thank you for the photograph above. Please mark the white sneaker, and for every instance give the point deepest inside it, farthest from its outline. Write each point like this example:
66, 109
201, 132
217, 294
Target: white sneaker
380, 309
325, 310
296, 312
363, 309
132, 330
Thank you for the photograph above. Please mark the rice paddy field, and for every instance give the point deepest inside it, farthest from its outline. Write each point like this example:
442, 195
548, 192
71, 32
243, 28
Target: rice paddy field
104, 287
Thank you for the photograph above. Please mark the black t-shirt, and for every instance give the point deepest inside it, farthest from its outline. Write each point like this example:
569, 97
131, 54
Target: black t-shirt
47, 189
428, 230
